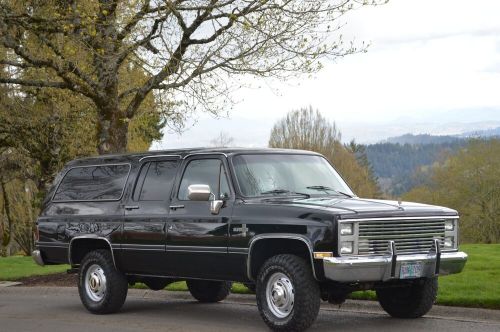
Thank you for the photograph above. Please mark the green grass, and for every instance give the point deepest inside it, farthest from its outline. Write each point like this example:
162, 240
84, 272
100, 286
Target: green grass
16, 267
477, 286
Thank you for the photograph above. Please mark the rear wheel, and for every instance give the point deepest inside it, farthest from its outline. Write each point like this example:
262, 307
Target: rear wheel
209, 291
102, 288
288, 297
412, 301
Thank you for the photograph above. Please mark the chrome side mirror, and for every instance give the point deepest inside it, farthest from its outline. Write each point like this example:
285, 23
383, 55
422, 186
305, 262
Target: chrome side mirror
199, 192
202, 192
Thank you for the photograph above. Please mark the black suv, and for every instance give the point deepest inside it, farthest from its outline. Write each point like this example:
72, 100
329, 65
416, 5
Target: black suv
282, 221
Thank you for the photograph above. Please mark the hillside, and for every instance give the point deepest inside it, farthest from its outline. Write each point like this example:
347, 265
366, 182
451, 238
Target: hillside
395, 164
396, 160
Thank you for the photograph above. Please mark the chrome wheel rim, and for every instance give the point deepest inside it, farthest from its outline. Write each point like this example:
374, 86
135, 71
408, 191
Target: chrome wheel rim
95, 283
280, 295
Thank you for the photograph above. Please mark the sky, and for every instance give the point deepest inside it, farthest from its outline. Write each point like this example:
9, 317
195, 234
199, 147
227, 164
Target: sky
433, 66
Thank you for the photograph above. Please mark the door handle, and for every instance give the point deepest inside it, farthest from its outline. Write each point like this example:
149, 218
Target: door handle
175, 207
131, 207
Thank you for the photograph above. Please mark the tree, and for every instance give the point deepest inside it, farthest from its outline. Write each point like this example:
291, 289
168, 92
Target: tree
40, 130
192, 51
470, 183
307, 129
223, 140
359, 151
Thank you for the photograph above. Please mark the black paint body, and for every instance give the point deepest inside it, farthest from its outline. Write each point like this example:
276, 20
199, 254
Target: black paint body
182, 239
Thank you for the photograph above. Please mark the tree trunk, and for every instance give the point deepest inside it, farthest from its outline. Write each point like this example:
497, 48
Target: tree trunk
112, 131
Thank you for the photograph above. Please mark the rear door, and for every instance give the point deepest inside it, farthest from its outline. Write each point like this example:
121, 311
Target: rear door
146, 212
196, 239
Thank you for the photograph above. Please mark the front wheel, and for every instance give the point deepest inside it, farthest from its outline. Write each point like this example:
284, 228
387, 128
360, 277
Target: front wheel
288, 297
102, 288
410, 301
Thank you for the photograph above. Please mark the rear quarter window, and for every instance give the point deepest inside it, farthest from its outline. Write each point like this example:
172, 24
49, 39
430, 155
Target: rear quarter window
93, 183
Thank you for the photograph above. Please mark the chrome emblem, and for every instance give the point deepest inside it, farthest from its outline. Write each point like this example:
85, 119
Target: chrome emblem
243, 229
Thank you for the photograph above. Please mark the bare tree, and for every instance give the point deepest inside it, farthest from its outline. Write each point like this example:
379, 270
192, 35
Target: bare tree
307, 129
223, 140
193, 51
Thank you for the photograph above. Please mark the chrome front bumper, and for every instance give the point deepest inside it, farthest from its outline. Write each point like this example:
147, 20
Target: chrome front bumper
37, 257
384, 268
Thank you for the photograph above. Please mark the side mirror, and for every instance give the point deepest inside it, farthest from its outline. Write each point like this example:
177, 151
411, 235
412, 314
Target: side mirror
202, 192
199, 192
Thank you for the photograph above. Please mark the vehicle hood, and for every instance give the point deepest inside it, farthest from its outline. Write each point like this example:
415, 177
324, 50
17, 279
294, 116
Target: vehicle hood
360, 207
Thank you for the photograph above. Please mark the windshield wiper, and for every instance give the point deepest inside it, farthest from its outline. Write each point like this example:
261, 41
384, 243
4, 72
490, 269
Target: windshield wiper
325, 188
283, 191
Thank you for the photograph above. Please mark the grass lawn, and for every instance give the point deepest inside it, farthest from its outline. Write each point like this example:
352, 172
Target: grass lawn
15, 267
477, 286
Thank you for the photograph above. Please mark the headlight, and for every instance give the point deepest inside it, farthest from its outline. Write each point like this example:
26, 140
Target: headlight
451, 234
346, 247
346, 229
449, 225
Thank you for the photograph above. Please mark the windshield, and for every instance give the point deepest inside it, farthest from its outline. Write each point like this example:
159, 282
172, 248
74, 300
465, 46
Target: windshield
273, 174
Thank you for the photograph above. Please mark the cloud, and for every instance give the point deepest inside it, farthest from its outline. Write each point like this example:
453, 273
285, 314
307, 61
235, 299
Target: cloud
431, 63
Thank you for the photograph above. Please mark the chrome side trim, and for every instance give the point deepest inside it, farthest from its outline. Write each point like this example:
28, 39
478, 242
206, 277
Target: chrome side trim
402, 218
204, 154
161, 156
278, 236
90, 237
200, 249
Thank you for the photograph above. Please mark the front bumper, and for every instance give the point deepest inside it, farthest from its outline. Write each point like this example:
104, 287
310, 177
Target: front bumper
37, 257
384, 268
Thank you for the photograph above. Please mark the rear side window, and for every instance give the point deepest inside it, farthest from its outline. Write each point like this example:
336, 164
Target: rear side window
155, 181
93, 183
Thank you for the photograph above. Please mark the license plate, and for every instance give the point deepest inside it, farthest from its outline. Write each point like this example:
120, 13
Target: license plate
411, 270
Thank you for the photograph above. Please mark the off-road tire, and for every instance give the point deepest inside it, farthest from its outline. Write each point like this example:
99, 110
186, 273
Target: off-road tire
209, 291
411, 301
156, 284
116, 283
306, 293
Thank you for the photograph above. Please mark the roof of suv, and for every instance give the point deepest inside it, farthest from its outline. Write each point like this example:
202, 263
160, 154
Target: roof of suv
182, 153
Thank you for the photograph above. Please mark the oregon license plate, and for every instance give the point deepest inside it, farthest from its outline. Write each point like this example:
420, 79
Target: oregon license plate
411, 270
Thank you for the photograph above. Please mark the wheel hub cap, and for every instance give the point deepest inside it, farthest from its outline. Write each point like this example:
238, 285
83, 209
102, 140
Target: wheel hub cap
95, 283
280, 295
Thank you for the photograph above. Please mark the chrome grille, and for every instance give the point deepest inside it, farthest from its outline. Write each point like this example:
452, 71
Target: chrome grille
409, 236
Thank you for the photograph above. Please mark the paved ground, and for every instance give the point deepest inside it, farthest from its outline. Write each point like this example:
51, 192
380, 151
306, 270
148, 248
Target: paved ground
59, 309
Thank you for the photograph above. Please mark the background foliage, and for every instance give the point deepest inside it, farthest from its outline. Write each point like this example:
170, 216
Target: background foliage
307, 129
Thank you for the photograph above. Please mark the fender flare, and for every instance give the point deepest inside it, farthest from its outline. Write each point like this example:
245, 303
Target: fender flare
277, 236
90, 237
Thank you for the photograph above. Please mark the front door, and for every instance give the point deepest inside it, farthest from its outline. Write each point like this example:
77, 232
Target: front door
196, 239
146, 213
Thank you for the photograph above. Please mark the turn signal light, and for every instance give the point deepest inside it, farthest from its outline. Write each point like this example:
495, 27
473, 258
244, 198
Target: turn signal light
321, 255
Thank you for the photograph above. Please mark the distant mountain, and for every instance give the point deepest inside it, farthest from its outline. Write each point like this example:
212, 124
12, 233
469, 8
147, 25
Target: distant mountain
440, 139
421, 139
495, 132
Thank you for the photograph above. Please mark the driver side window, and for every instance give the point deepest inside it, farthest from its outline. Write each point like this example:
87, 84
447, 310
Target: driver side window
204, 171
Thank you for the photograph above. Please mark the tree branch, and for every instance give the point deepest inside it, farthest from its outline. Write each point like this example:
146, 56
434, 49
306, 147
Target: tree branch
36, 83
